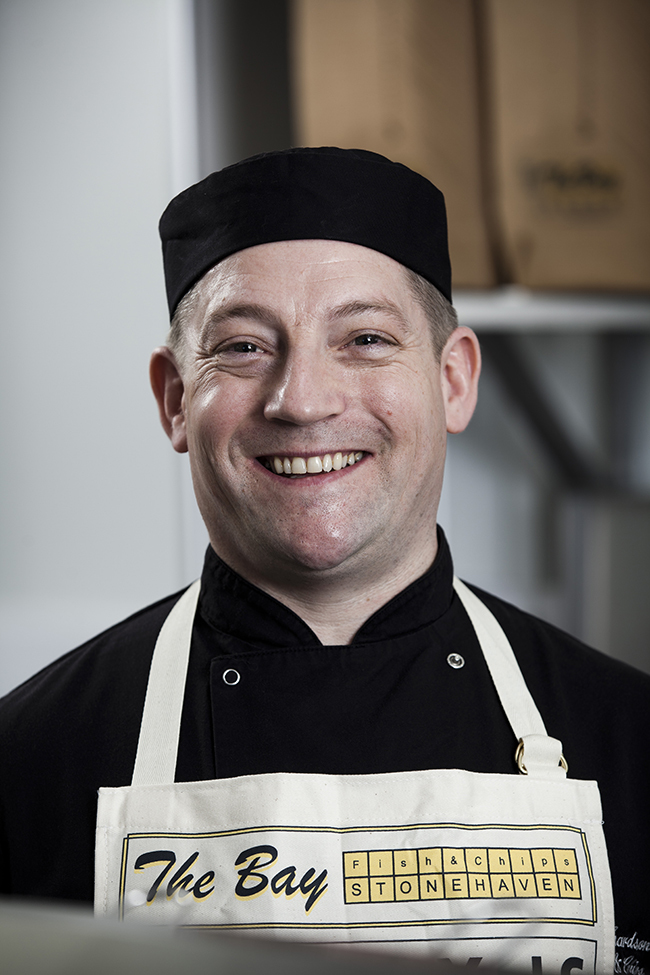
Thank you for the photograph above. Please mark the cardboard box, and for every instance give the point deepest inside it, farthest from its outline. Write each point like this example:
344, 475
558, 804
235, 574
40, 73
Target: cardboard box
569, 86
399, 77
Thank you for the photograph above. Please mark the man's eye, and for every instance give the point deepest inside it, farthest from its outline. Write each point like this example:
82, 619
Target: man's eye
367, 340
243, 347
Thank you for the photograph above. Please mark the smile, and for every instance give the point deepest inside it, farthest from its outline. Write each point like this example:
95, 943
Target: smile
318, 464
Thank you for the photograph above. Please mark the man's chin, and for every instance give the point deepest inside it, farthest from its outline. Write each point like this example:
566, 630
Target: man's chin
296, 558
312, 555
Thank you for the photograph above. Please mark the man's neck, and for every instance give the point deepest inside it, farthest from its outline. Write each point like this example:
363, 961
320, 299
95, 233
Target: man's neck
335, 607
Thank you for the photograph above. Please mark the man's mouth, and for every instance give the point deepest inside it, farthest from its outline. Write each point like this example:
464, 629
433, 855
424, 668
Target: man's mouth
317, 464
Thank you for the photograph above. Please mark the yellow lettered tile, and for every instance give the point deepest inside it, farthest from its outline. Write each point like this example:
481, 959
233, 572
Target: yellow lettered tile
569, 885
356, 891
456, 885
430, 860
524, 884
479, 885
565, 861
499, 861
382, 889
502, 885
453, 859
543, 860
431, 887
547, 885
406, 861
381, 862
520, 861
355, 864
477, 860
406, 888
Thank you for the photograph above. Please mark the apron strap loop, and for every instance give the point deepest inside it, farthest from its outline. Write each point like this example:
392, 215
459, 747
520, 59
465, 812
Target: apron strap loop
541, 757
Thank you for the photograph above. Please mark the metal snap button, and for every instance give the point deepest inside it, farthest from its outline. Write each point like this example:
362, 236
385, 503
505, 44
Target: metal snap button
231, 677
456, 661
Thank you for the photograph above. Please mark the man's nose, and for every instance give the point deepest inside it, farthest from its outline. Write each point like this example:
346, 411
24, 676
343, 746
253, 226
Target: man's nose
305, 390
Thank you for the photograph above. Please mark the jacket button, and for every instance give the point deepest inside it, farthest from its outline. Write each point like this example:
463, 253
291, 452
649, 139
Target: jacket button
454, 660
231, 677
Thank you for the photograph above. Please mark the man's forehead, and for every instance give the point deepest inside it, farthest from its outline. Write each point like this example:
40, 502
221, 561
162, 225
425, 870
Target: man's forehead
317, 255
336, 271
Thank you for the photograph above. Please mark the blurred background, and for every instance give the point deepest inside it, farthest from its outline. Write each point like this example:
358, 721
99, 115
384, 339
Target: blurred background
531, 117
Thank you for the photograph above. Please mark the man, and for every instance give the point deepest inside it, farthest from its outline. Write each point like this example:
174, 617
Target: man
313, 370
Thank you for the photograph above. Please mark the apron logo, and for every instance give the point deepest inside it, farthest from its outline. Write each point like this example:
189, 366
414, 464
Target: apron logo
446, 873
252, 882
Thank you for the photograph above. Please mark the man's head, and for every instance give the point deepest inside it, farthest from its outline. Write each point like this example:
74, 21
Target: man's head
314, 341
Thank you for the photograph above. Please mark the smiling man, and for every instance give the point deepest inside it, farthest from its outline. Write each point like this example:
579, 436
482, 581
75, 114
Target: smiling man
329, 737
306, 386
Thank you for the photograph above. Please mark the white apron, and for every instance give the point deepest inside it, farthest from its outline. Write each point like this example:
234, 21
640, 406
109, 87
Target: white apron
511, 869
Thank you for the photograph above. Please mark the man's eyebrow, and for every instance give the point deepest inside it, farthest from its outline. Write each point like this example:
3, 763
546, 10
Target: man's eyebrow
260, 313
242, 310
359, 307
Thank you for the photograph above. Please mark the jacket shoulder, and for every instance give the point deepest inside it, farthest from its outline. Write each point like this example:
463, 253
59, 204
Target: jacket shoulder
584, 696
533, 637
114, 663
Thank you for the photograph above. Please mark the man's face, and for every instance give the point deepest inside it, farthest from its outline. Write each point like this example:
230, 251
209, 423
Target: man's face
300, 354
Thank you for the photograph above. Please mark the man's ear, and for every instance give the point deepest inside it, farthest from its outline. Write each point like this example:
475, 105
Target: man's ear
168, 388
460, 367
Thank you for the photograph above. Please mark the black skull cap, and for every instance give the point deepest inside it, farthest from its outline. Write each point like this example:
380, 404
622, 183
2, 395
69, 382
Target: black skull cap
322, 193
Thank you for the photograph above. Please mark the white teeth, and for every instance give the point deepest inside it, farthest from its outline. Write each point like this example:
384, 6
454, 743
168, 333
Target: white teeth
315, 464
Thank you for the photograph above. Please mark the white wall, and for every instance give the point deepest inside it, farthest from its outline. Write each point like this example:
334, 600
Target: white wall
90, 521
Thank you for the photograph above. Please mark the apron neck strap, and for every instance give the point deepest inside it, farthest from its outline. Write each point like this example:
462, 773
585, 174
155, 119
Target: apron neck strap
155, 760
537, 754
516, 699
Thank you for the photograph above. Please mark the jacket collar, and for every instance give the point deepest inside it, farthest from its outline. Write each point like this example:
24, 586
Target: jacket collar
238, 608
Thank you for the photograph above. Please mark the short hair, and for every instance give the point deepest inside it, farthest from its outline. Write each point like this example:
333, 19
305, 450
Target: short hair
440, 313
180, 319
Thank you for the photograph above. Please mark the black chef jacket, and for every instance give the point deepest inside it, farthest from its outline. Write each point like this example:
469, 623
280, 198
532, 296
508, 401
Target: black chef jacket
388, 702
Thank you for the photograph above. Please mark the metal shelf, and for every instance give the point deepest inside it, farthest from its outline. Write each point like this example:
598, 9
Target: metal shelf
516, 309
